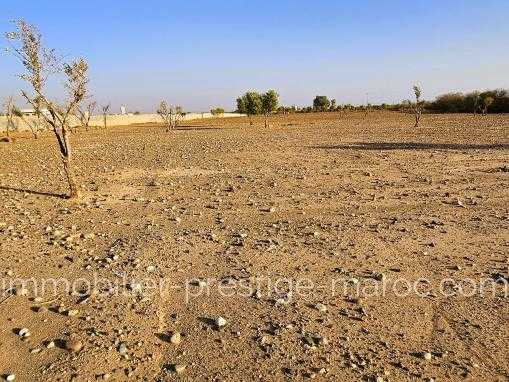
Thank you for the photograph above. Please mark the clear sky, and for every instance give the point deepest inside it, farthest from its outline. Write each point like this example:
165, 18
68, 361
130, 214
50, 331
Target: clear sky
201, 53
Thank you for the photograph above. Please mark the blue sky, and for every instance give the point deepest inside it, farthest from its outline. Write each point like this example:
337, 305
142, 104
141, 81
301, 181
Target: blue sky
205, 53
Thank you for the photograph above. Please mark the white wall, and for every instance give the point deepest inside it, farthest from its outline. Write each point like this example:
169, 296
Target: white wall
122, 120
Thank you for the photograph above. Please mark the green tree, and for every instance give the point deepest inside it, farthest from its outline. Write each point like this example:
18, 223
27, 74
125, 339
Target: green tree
253, 104
270, 102
472, 101
241, 106
217, 111
321, 103
486, 102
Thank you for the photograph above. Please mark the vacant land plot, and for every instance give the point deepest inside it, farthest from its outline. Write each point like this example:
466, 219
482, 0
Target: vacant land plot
327, 246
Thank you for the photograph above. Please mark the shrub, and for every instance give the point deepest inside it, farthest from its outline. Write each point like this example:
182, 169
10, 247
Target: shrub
321, 103
171, 115
494, 101
217, 111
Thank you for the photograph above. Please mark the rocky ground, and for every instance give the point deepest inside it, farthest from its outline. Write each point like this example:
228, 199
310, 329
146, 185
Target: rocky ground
327, 246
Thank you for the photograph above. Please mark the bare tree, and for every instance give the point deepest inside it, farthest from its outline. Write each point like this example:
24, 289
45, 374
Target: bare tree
179, 114
417, 105
368, 105
26, 44
10, 112
84, 114
105, 110
171, 115
36, 123
166, 114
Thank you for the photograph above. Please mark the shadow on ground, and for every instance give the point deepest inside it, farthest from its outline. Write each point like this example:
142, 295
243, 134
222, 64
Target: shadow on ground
412, 146
6, 188
191, 127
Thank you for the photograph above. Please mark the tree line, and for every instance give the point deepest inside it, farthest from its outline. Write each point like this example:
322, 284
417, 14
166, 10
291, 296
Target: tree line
254, 103
489, 101
475, 102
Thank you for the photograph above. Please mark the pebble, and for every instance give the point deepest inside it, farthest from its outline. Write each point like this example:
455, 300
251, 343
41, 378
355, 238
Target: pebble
10, 377
42, 309
179, 369
20, 291
175, 338
201, 283
314, 340
72, 312
427, 356
122, 348
135, 287
378, 276
321, 308
73, 346
24, 333
220, 322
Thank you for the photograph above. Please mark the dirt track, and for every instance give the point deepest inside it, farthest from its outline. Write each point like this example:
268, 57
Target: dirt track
292, 232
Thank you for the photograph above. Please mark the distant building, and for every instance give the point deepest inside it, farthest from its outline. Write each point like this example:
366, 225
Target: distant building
123, 110
31, 112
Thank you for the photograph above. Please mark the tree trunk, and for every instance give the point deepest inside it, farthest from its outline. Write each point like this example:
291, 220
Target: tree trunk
69, 172
104, 121
266, 124
250, 121
66, 153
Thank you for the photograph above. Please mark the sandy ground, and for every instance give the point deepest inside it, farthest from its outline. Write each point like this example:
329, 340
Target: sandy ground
334, 247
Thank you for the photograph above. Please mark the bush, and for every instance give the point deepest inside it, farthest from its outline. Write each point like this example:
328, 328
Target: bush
217, 111
321, 103
251, 103
449, 103
490, 101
